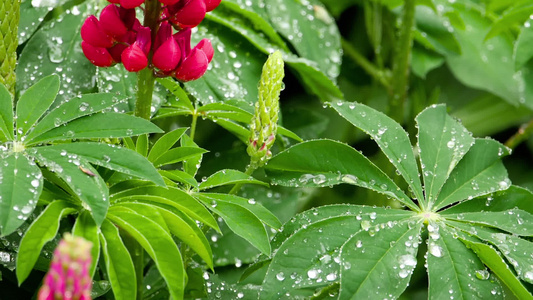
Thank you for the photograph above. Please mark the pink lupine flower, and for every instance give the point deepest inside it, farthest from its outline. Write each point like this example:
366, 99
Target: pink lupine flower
114, 20
98, 56
167, 56
130, 3
211, 4
68, 277
186, 13
133, 58
194, 62
94, 35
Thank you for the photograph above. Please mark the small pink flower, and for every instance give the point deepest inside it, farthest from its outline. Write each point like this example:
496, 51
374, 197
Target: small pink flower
186, 13
94, 35
133, 58
211, 4
98, 56
68, 276
114, 20
193, 66
167, 54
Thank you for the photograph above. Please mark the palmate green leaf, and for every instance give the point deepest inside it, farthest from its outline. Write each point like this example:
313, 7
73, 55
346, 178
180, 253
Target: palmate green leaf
118, 263
179, 176
35, 102
55, 48
175, 155
327, 162
86, 228
307, 250
424, 61
480, 172
257, 209
513, 16
228, 176
442, 142
241, 221
432, 33
226, 111
21, 184
100, 125
31, 16
164, 143
145, 210
366, 259
182, 99
389, 136
6, 115
191, 164
493, 260
515, 221
515, 249
523, 48
74, 108
141, 145
170, 196
112, 157
41, 231
157, 243
455, 271
89, 188
119, 81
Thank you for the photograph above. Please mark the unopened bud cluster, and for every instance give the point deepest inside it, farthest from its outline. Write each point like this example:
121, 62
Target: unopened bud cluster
68, 276
264, 125
119, 37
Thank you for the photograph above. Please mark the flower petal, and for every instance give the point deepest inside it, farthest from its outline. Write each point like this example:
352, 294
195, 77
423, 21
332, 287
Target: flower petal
193, 67
211, 4
205, 45
131, 3
191, 14
94, 35
98, 56
134, 58
110, 21
167, 56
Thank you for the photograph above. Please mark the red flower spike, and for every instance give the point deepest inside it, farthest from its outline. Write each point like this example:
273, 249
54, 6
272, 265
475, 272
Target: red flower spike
205, 45
167, 56
193, 66
211, 4
134, 58
98, 56
131, 3
94, 35
189, 14
111, 22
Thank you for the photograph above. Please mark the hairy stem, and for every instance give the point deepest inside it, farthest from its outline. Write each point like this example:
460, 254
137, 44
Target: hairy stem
402, 58
521, 135
249, 171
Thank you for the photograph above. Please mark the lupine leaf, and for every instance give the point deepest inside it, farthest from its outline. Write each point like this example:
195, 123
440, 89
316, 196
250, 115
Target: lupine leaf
191, 164
164, 143
228, 176
6, 114
86, 228
175, 155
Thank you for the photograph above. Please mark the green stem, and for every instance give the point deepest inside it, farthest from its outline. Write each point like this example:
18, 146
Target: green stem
523, 134
400, 68
145, 78
193, 124
370, 68
137, 256
249, 171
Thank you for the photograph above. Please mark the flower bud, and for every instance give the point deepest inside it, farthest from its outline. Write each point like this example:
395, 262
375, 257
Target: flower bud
111, 22
116, 51
98, 56
205, 45
131, 3
187, 13
167, 56
193, 66
144, 38
134, 58
68, 276
211, 4
169, 2
94, 35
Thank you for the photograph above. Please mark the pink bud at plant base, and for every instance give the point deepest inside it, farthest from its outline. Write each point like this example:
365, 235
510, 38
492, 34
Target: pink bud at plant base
94, 35
68, 276
211, 4
98, 56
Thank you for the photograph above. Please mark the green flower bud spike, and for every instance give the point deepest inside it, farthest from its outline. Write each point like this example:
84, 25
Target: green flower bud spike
264, 125
9, 22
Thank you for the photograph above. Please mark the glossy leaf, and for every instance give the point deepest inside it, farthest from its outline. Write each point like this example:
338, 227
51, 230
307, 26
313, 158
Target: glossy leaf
90, 189
35, 102
175, 155
442, 142
118, 263
243, 222
86, 228
21, 185
480, 172
390, 137
179, 176
257, 209
191, 164
112, 157
101, 125
307, 250
173, 197
455, 271
41, 231
493, 260
515, 221
164, 143
366, 259
6, 114
524, 47
228, 176
157, 243
182, 100
74, 108
515, 15
327, 162
141, 145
